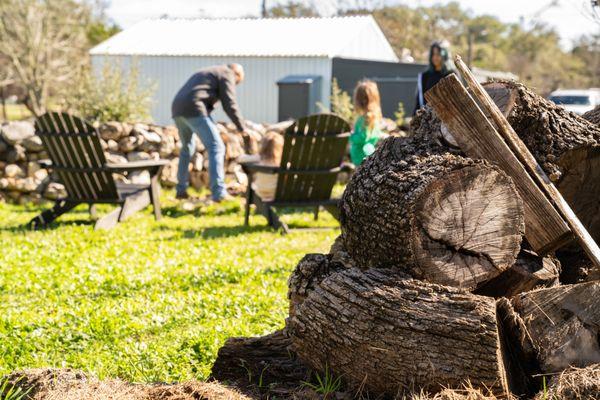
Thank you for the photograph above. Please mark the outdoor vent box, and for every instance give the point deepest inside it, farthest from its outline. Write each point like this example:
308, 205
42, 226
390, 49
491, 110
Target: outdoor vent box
298, 96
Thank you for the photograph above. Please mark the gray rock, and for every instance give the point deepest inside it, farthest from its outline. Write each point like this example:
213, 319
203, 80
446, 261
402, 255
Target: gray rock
151, 137
128, 144
197, 162
112, 145
138, 156
16, 154
32, 168
112, 131
15, 132
139, 177
115, 158
54, 191
33, 144
168, 176
14, 171
3, 145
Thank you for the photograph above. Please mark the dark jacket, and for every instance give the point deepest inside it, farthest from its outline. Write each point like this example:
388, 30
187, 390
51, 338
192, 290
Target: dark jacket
205, 88
431, 76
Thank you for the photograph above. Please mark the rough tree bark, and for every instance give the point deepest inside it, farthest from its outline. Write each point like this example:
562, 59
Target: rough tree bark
565, 145
388, 333
559, 326
529, 272
440, 217
426, 125
593, 115
259, 362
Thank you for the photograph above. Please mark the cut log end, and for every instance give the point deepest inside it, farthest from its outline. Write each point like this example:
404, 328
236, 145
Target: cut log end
467, 227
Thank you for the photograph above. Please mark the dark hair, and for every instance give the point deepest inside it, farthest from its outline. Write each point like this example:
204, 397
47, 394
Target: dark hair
443, 49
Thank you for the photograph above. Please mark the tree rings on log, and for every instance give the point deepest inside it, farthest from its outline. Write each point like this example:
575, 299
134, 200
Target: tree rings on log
440, 217
463, 224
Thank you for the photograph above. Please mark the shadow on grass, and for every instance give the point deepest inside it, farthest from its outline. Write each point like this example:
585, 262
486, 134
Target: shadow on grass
216, 232
53, 226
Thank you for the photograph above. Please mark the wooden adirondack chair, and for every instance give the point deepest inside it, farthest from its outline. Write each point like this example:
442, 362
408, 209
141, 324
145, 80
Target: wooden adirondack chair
313, 152
77, 158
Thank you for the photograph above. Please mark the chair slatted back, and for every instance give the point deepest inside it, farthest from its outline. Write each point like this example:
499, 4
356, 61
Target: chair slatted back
76, 153
312, 146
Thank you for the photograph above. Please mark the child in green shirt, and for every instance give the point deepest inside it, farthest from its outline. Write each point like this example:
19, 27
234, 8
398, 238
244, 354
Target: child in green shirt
366, 129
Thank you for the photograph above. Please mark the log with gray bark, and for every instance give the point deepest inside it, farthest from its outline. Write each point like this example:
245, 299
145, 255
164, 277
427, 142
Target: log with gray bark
556, 327
388, 333
566, 145
437, 216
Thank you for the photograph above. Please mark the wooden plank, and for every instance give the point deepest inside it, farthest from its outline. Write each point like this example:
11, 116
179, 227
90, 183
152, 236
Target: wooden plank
545, 228
55, 152
535, 170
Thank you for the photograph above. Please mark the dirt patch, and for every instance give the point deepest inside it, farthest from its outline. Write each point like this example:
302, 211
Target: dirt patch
67, 384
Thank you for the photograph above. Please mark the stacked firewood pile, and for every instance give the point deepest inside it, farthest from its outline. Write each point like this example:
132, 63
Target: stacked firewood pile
433, 283
23, 176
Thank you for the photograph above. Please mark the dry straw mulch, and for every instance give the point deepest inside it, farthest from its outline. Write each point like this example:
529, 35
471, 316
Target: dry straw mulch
67, 384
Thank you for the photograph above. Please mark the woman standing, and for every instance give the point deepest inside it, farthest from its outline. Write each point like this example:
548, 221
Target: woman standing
439, 67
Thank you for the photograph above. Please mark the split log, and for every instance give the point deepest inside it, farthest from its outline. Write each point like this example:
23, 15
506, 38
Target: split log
560, 325
529, 272
388, 333
565, 145
440, 217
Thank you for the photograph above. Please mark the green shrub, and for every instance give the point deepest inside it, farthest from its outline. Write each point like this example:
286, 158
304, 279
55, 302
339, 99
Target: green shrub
341, 102
400, 114
112, 95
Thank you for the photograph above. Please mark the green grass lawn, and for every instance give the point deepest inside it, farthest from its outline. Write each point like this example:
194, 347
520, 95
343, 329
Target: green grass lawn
146, 301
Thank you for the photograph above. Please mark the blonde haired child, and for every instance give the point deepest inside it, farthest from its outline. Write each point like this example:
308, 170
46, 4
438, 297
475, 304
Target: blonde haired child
271, 148
366, 133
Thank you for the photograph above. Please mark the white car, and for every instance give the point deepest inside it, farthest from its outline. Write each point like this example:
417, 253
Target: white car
578, 101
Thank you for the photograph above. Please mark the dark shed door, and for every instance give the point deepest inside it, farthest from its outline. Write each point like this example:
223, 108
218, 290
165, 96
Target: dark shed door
397, 81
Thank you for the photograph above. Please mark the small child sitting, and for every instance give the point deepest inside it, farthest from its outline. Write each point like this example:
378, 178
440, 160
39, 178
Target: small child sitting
366, 129
271, 148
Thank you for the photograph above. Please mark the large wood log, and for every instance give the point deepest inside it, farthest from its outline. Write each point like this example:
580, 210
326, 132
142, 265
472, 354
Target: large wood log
388, 333
565, 145
440, 217
478, 138
560, 326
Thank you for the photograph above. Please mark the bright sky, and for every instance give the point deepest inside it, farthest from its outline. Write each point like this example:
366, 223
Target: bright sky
571, 17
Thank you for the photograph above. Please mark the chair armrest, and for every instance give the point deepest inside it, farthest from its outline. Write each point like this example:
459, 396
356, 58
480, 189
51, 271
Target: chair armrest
136, 165
250, 167
347, 167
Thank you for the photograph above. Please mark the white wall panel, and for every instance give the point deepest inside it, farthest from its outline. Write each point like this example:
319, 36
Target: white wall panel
257, 95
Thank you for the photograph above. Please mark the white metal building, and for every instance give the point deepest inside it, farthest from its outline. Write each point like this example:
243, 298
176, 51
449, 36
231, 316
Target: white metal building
168, 51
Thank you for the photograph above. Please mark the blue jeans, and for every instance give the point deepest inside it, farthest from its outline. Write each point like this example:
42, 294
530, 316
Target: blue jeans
209, 134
